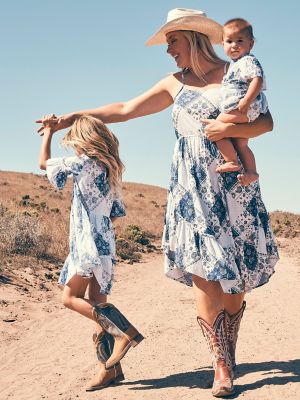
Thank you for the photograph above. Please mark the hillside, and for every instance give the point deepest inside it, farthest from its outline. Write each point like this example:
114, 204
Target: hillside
34, 220
37, 335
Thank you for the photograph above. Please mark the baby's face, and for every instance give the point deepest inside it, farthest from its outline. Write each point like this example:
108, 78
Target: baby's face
236, 43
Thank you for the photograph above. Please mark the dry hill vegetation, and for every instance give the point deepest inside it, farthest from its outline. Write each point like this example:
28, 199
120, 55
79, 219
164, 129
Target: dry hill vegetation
34, 224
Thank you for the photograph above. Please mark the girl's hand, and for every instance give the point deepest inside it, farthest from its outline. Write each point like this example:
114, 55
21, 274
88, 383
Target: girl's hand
215, 129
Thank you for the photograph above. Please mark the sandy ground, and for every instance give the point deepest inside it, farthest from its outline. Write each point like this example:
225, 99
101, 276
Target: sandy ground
47, 353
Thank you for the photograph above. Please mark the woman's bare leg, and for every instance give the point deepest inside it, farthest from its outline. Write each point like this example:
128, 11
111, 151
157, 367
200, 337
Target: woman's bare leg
233, 302
209, 298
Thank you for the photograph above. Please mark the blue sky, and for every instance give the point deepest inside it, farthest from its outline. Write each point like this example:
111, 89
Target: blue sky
64, 55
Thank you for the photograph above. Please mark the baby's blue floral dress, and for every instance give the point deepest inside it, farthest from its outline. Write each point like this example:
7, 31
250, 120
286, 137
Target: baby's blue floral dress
235, 85
214, 227
92, 239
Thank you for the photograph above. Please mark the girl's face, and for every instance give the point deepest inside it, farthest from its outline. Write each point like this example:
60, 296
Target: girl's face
178, 48
236, 43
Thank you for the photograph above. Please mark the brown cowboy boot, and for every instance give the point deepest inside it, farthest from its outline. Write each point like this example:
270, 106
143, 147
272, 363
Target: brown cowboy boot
216, 338
233, 325
113, 322
104, 343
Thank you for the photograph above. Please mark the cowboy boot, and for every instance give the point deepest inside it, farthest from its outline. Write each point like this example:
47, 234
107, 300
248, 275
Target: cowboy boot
233, 325
114, 323
104, 343
216, 338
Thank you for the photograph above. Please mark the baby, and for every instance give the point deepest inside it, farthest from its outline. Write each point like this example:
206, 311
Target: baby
242, 99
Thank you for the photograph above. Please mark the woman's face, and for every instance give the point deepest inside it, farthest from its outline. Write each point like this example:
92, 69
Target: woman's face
178, 48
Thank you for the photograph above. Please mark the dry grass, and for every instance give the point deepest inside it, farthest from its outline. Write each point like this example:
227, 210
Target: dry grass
34, 218
34, 221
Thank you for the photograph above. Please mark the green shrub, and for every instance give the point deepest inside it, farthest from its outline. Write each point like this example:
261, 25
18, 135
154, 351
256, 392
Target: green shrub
127, 250
136, 234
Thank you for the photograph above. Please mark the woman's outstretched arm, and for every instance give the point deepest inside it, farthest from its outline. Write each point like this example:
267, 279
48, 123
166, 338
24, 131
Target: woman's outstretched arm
154, 100
216, 130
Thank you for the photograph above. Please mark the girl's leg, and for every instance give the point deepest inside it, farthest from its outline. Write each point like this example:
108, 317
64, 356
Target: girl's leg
248, 160
73, 296
212, 320
104, 344
96, 297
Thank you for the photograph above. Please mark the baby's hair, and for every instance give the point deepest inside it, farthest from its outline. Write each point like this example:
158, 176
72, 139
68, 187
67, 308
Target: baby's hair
241, 24
92, 137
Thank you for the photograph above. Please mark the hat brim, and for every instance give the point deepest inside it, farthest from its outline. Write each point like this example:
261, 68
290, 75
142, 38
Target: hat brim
207, 26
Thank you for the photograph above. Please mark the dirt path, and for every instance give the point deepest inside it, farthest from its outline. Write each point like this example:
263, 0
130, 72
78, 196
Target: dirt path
53, 357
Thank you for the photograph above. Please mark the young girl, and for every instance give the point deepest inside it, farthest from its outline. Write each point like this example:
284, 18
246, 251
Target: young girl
242, 99
96, 169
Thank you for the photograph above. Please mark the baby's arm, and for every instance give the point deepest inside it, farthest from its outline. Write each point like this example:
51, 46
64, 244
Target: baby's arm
252, 92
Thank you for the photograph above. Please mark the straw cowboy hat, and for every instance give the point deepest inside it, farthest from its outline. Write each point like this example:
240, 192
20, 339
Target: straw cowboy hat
184, 19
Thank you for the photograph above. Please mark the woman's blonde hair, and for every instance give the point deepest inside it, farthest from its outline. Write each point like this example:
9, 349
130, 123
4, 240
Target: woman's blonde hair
200, 45
92, 137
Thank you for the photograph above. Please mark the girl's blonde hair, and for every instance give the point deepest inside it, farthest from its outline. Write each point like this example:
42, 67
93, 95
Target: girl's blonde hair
200, 46
94, 139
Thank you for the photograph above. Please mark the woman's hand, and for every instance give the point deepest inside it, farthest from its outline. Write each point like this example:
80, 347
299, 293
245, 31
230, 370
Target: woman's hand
215, 129
53, 124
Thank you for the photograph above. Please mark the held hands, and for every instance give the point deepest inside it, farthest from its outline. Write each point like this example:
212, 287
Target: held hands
51, 123
215, 129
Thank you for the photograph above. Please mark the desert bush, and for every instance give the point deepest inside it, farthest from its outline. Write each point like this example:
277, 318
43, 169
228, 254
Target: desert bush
137, 235
132, 242
127, 250
285, 224
22, 234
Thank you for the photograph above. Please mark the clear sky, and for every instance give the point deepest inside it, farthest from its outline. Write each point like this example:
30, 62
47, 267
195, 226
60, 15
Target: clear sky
64, 55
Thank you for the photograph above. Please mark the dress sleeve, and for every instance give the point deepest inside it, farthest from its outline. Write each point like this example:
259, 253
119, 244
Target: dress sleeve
58, 169
251, 68
118, 207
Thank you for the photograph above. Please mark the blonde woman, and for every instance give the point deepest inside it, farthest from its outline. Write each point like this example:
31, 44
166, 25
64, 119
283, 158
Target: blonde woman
96, 170
217, 236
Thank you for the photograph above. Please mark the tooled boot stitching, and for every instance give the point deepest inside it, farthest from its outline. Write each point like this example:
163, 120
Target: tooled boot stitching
216, 338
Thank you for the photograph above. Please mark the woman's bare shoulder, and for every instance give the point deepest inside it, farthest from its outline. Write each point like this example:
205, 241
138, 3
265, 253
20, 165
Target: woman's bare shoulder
172, 83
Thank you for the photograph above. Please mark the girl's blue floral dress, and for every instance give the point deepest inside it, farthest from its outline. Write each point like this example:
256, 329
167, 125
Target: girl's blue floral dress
92, 239
235, 85
214, 227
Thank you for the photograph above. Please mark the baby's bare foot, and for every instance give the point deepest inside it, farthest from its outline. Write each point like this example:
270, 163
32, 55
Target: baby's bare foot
229, 166
247, 177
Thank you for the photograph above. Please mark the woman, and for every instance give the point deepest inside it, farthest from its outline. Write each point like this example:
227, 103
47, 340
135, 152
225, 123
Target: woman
216, 235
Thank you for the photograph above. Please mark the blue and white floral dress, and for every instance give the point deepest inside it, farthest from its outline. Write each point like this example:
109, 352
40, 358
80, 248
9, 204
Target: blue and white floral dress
214, 227
92, 239
236, 83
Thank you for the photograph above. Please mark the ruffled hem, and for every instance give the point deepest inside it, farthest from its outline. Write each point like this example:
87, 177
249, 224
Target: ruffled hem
191, 253
103, 270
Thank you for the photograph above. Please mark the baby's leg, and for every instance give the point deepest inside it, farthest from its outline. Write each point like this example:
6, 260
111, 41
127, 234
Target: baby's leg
73, 296
229, 154
225, 145
247, 158
234, 116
